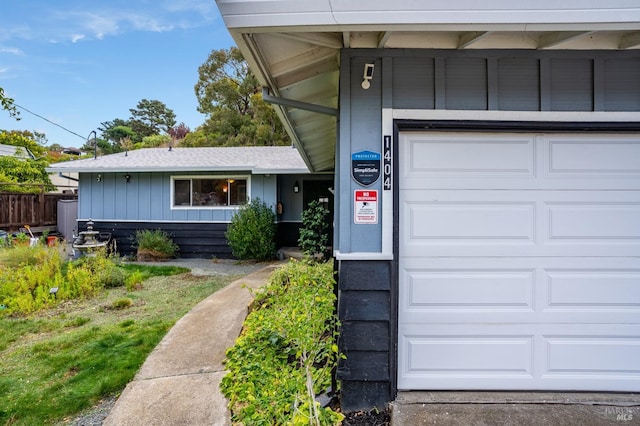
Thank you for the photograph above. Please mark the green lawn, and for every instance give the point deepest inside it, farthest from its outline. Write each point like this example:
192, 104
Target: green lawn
60, 361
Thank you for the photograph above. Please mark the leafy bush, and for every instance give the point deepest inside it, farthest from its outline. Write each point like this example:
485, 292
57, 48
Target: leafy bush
134, 280
122, 303
27, 275
154, 245
112, 276
314, 234
286, 351
252, 232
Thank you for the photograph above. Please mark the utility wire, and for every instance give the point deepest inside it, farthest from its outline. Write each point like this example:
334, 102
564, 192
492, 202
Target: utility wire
49, 121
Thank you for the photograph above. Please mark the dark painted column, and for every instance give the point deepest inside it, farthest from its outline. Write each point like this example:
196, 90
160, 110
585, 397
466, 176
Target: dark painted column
364, 309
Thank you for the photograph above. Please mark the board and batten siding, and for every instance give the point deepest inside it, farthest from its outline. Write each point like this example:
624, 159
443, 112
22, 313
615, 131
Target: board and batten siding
424, 79
147, 197
122, 208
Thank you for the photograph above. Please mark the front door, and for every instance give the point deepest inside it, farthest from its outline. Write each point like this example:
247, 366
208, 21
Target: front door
313, 190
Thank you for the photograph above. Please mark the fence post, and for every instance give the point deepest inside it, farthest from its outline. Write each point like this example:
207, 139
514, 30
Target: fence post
41, 206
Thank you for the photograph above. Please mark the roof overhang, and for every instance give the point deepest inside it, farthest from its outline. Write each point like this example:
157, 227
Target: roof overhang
293, 46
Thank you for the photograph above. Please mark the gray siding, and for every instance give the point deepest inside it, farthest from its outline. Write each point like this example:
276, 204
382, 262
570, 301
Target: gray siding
147, 198
438, 79
507, 80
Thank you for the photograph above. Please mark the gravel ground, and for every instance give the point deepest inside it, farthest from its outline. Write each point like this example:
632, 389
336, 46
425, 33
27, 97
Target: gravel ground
203, 267
95, 416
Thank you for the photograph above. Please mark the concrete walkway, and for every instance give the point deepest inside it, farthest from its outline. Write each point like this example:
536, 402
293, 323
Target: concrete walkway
179, 382
515, 408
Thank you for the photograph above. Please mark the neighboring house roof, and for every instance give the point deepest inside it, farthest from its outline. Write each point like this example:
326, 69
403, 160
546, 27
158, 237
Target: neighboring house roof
255, 159
293, 46
15, 151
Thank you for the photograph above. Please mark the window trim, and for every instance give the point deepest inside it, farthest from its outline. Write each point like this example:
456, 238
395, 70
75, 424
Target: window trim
247, 178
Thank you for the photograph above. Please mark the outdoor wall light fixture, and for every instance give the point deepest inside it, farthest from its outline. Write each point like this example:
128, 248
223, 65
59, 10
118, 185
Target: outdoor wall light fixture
99, 178
127, 178
367, 76
296, 187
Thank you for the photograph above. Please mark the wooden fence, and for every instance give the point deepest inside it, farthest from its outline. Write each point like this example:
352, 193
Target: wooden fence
17, 210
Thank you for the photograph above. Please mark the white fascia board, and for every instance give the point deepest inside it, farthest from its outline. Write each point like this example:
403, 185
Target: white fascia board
280, 172
134, 169
177, 169
362, 256
338, 15
550, 116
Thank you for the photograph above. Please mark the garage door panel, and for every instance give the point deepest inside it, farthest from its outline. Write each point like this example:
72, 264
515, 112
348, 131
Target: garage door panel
520, 223
488, 221
595, 221
519, 290
459, 154
607, 354
480, 288
593, 157
451, 295
607, 289
516, 161
495, 354
558, 357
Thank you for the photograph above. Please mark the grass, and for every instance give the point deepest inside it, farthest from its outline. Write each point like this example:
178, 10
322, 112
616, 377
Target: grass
61, 361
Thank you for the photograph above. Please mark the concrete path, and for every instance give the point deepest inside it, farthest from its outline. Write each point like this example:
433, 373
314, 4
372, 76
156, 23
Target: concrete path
515, 408
179, 382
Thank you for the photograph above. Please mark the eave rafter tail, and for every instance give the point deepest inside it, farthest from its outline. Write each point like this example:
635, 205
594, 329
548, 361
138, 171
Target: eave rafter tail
629, 41
383, 38
330, 40
555, 38
346, 39
306, 59
468, 38
289, 79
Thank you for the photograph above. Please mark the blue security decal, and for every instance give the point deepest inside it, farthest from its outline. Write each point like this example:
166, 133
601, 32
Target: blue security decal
365, 167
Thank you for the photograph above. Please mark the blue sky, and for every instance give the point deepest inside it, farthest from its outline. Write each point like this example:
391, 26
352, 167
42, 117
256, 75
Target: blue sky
79, 63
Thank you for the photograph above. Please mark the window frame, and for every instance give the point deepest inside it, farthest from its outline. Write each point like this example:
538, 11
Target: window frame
191, 178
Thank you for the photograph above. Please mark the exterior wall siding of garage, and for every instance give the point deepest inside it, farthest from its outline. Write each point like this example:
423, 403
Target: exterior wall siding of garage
435, 80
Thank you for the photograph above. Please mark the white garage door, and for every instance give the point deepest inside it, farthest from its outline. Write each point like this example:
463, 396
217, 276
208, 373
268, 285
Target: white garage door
519, 261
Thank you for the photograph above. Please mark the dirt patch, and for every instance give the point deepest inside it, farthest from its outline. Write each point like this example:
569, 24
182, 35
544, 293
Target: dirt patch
367, 418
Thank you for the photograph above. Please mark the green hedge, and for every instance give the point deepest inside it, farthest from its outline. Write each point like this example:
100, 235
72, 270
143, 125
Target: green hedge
287, 350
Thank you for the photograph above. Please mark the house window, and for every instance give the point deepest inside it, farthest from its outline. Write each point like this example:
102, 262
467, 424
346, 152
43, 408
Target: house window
209, 191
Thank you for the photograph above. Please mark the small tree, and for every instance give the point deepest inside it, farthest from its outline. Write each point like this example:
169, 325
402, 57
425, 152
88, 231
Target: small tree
314, 235
252, 232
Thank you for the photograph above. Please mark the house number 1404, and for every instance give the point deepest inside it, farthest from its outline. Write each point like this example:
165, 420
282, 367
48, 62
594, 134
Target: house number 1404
386, 166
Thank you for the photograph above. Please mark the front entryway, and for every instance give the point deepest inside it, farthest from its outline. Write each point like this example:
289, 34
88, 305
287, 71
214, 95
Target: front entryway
319, 190
519, 261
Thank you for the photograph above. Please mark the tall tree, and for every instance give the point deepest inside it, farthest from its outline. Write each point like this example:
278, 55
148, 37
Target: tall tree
26, 139
151, 118
14, 170
230, 95
179, 132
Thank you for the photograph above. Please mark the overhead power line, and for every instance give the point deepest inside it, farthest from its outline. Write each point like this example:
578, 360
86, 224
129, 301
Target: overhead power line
49, 121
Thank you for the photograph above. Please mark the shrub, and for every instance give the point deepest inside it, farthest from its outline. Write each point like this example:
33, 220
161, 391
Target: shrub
314, 234
134, 280
112, 276
252, 232
154, 245
287, 350
122, 303
27, 275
